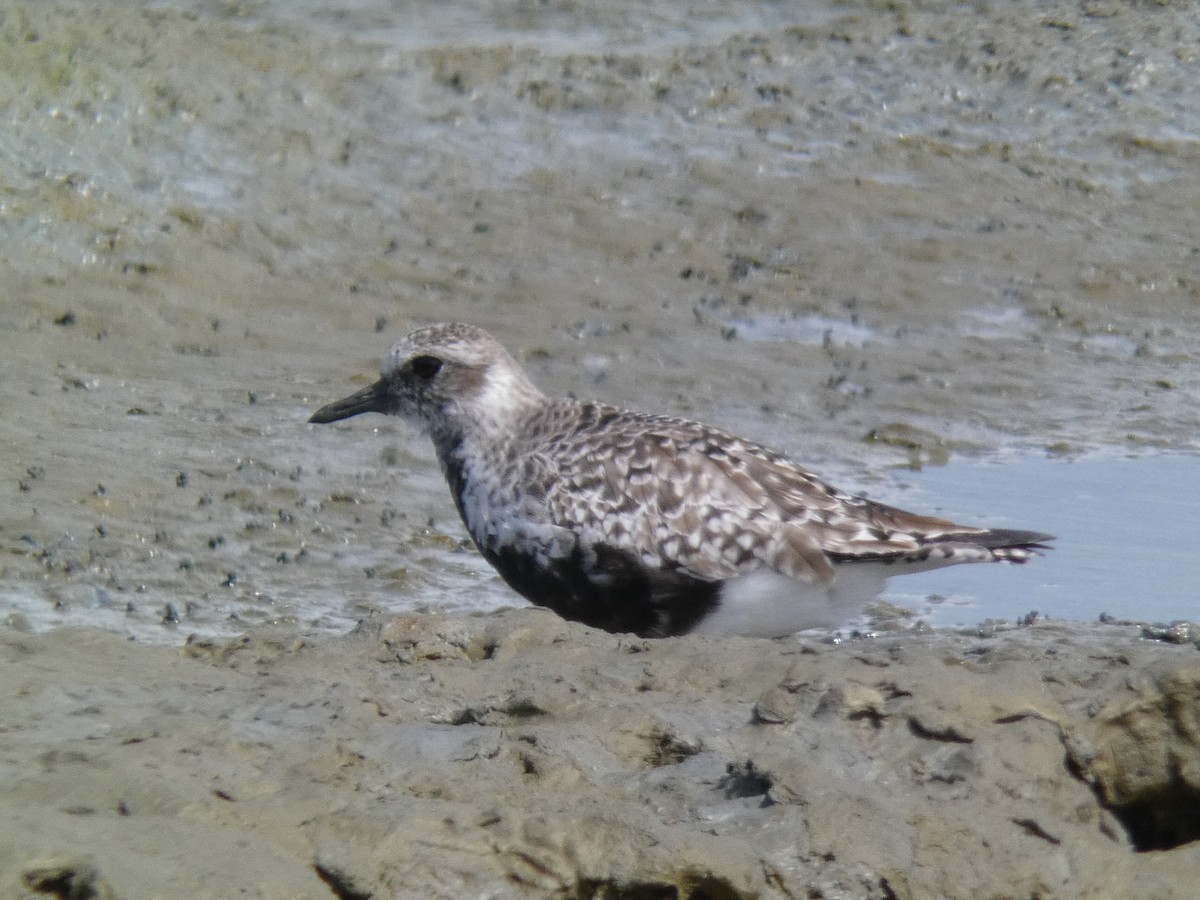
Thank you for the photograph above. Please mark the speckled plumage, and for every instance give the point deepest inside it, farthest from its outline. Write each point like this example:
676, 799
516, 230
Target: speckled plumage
646, 523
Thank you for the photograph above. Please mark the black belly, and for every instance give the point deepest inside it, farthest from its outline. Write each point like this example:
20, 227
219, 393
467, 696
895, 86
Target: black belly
610, 589
599, 586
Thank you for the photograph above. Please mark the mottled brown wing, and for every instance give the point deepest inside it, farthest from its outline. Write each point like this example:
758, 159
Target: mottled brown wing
846, 524
683, 496
855, 529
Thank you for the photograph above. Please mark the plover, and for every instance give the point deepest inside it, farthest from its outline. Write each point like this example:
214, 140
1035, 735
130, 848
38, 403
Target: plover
649, 524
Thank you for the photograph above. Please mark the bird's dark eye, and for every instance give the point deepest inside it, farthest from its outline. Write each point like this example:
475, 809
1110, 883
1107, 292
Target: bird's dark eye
426, 367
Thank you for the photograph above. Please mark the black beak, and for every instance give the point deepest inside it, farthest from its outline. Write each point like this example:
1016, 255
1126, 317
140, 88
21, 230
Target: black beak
369, 399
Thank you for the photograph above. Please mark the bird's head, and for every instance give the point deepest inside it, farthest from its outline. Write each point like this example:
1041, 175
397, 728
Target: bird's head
446, 378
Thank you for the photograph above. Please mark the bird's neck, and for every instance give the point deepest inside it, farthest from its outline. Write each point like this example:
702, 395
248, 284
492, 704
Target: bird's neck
482, 432
480, 462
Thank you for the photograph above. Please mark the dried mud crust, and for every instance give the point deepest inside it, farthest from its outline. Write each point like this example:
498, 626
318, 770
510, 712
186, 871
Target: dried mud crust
515, 755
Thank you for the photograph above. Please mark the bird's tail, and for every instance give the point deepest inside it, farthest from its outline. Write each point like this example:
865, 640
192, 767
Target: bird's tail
1005, 544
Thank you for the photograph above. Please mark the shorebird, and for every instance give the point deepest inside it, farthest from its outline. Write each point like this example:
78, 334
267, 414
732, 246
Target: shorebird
649, 524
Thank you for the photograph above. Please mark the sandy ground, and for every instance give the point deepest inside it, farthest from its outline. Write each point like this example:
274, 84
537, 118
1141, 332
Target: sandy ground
214, 223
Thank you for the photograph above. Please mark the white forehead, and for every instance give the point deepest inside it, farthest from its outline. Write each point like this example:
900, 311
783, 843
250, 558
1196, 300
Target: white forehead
463, 344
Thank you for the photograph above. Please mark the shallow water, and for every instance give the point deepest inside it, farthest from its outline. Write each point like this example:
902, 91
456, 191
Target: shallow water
1127, 535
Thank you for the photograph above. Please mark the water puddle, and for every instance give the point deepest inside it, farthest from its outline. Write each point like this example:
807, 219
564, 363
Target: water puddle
1128, 536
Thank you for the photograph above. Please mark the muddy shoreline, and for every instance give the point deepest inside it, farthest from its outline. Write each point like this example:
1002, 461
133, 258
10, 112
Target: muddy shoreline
515, 755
